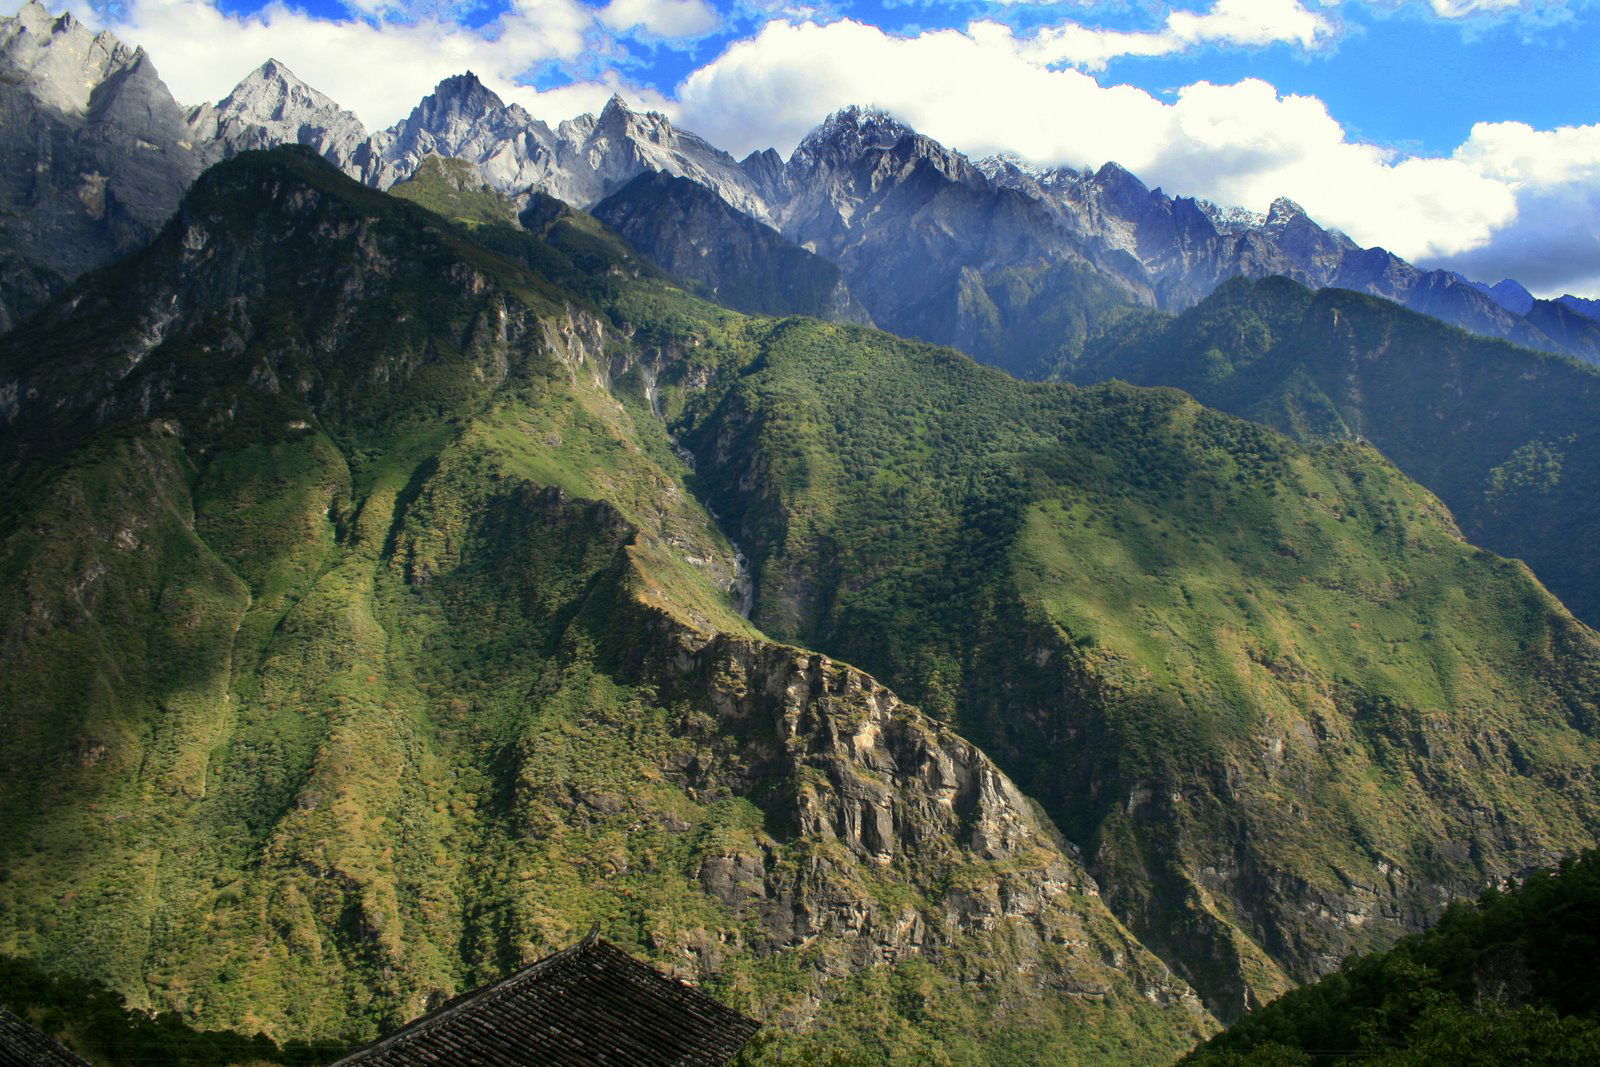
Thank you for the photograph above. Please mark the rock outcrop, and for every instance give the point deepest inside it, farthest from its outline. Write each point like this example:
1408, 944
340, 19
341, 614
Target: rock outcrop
94, 154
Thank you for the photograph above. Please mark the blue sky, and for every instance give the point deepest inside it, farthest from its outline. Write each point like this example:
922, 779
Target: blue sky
1462, 133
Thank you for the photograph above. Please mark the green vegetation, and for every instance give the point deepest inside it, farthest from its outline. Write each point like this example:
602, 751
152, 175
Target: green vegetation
368, 635
95, 1022
1505, 436
1034, 321
360, 648
1510, 979
1267, 687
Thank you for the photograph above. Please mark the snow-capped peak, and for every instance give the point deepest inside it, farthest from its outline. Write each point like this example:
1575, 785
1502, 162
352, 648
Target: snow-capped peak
1003, 163
853, 128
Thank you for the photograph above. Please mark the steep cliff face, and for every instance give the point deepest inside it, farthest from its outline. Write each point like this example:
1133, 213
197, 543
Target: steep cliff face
364, 641
867, 801
94, 149
1503, 978
1285, 710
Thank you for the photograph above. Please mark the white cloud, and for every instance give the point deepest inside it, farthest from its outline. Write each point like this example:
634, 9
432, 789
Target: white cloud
662, 18
1553, 244
1517, 153
1240, 23
1455, 9
377, 69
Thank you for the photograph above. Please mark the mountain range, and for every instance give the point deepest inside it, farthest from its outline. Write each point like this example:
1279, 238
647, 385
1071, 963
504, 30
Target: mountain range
417, 548
1013, 264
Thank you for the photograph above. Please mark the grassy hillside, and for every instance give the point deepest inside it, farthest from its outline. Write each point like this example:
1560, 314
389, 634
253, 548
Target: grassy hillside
1505, 436
1284, 708
364, 641
1508, 979
373, 627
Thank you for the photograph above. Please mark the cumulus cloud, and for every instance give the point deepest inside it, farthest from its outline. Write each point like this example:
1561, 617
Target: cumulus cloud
1528, 158
1240, 23
1553, 244
662, 18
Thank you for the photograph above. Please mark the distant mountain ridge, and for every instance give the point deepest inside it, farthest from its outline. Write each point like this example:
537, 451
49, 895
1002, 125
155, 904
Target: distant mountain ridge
1506, 437
1016, 265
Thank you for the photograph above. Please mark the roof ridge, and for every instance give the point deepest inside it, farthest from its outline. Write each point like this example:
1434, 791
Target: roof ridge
567, 978
482, 994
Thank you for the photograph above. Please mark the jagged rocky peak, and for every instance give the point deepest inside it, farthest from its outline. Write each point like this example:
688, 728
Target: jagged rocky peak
618, 119
1113, 175
97, 153
1284, 211
1303, 239
1231, 219
273, 106
1009, 165
765, 171
616, 110
1122, 190
852, 130
273, 93
59, 59
1511, 295
460, 98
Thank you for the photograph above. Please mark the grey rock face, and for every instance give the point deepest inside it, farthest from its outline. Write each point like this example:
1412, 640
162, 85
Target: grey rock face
1182, 249
272, 107
94, 154
696, 235
888, 792
581, 161
934, 249
462, 119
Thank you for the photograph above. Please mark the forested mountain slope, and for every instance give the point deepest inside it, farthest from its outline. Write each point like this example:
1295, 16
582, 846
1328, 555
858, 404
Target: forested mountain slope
369, 632
1509, 978
1285, 710
1507, 437
363, 642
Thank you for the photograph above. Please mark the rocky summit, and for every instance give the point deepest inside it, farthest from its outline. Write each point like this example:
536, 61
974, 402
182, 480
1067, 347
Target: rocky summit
94, 154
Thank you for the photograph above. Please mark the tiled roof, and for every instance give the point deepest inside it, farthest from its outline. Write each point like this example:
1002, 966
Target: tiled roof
588, 1004
23, 1046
